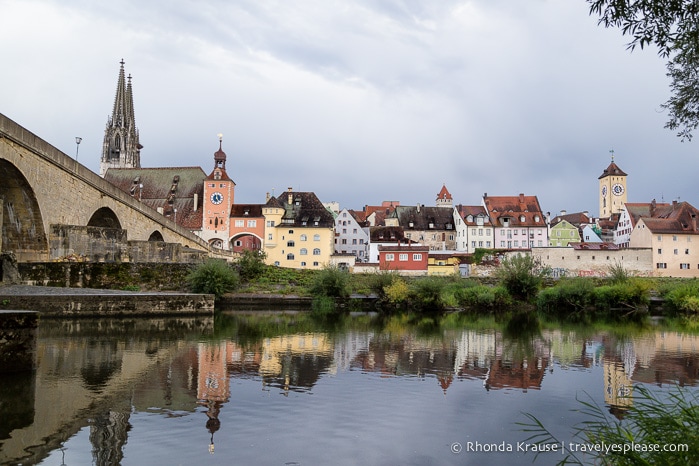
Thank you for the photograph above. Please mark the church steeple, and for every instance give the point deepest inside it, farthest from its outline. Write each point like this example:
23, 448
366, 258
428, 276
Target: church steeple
121, 147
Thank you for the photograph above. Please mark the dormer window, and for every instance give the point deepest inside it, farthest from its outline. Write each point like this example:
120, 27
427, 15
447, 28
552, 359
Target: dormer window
522, 218
217, 174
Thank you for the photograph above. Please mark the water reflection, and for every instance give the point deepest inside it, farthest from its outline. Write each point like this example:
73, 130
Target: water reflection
99, 377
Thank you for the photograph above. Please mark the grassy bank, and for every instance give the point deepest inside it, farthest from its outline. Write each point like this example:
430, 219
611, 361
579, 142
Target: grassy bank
519, 286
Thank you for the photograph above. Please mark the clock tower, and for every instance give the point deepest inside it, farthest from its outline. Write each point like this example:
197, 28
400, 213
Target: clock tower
612, 190
219, 191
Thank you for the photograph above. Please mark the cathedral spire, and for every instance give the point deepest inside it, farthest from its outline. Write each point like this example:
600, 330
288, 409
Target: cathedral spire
121, 147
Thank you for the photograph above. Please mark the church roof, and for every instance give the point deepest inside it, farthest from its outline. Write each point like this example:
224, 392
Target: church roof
168, 188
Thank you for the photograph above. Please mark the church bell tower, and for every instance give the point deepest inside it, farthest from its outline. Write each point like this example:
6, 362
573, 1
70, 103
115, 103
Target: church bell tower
121, 148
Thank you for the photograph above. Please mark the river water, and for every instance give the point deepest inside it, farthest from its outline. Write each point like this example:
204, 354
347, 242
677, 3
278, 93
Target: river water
271, 388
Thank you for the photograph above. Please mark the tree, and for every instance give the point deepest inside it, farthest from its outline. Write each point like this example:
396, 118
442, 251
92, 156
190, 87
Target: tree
672, 26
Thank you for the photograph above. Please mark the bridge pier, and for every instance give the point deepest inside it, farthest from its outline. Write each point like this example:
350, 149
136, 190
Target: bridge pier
18, 341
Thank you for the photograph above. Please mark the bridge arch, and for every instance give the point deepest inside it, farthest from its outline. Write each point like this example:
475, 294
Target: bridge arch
245, 241
104, 217
20, 216
156, 236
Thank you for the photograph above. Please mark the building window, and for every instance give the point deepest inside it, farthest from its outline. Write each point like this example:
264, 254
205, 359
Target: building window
290, 244
252, 223
290, 257
315, 264
270, 223
316, 252
291, 232
354, 241
389, 257
239, 223
276, 263
674, 237
304, 238
316, 237
660, 237
417, 257
661, 265
660, 251
303, 251
303, 264
403, 257
684, 266
344, 240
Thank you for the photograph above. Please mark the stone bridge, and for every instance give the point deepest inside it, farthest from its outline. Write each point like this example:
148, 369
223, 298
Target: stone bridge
45, 196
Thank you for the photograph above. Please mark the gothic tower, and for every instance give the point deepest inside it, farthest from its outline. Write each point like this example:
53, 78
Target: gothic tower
612, 190
121, 148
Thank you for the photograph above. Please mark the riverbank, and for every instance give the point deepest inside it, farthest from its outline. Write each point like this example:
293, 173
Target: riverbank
88, 302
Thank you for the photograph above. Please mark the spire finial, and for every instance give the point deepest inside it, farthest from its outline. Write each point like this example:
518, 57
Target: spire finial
220, 141
122, 62
611, 151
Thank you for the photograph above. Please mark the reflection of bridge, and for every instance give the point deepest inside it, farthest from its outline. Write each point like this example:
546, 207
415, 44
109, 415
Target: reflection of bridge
41, 188
93, 380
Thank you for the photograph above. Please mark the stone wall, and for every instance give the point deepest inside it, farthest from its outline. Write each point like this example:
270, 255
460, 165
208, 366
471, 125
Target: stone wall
595, 262
106, 275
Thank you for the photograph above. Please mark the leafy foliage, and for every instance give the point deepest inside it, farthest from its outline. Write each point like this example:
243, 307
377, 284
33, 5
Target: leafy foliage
213, 277
672, 26
332, 282
251, 264
521, 275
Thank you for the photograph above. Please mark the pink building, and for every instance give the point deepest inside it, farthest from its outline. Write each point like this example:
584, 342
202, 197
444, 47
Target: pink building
517, 220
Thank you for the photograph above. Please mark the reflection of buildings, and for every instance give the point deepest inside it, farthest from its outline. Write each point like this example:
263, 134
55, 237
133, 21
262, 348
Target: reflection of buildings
295, 361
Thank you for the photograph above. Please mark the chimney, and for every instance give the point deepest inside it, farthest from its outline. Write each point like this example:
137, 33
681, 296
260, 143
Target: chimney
694, 221
267, 197
196, 201
563, 212
418, 207
291, 196
652, 207
521, 198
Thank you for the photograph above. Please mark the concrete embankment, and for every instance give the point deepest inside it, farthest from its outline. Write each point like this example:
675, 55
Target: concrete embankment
82, 302
17, 340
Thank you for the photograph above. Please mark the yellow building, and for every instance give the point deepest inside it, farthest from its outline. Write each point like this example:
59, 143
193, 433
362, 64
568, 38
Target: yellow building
299, 231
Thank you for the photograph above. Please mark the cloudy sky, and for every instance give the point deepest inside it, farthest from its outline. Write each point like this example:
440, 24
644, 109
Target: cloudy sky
359, 101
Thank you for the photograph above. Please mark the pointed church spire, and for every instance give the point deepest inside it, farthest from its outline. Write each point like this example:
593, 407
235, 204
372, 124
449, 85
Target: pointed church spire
121, 147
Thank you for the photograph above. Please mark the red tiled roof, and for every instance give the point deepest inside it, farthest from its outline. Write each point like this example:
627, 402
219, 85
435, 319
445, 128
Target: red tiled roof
444, 193
522, 210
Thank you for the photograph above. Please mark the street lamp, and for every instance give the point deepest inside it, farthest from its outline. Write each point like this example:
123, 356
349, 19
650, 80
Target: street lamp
78, 140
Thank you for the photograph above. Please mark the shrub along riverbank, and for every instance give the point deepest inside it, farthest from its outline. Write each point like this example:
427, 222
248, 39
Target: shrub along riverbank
520, 286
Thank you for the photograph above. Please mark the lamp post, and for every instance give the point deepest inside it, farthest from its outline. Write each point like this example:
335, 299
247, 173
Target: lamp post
78, 140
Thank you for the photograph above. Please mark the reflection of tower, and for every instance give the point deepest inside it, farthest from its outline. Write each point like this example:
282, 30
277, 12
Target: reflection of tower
212, 387
108, 435
617, 379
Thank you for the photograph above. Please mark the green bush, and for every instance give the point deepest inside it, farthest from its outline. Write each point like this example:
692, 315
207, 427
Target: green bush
622, 300
251, 264
378, 283
331, 281
569, 299
214, 277
617, 273
397, 292
680, 298
427, 293
521, 275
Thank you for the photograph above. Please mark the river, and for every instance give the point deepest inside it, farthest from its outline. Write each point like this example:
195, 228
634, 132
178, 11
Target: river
271, 388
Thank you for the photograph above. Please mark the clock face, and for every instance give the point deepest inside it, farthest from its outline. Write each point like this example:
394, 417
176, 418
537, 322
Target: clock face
217, 198
617, 189
604, 191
